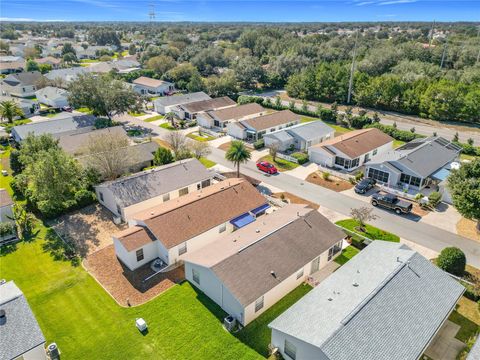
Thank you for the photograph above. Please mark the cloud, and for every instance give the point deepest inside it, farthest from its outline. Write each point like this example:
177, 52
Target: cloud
364, 3
392, 2
98, 3
29, 19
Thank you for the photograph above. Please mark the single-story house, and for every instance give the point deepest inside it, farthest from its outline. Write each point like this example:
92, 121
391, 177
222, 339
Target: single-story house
172, 229
50, 60
91, 52
6, 206
21, 336
130, 194
61, 124
164, 104
388, 302
9, 67
22, 84
66, 75
220, 118
301, 136
148, 86
248, 271
255, 128
52, 96
75, 142
351, 150
415, 165
121, 66
189, 111
29, 107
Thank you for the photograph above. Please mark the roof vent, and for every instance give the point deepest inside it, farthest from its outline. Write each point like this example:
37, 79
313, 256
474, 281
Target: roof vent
330, 299
273, 274
355, 283
2, 314
257, 230
152, 213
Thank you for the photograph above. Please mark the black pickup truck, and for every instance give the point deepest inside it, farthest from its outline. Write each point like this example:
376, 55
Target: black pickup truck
390, 201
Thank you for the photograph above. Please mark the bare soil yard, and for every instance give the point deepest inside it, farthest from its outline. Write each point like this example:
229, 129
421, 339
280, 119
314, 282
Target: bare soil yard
467, 228
295, 199
333, 183
225, 146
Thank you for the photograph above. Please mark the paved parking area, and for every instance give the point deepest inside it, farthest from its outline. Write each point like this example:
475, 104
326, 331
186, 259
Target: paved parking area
444, 346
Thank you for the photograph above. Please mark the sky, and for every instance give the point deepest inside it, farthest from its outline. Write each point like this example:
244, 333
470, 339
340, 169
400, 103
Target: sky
241, 10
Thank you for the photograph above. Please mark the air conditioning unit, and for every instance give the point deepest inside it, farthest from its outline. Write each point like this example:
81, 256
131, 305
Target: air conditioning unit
229, 323
53, 351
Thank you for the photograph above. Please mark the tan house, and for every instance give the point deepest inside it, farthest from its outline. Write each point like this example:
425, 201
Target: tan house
176, 227
189, 111
219, 119
152, 87
50, 60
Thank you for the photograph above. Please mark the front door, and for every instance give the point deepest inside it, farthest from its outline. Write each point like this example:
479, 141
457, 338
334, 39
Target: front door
315, 265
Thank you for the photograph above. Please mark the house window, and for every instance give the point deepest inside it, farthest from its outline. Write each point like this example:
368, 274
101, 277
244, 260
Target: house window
139, 254
374, 152
182, 249
290, 350
222, 228
411, 180
183, 191
119, 210
205, 183
378, 175
259, 304
166, 197
101, 196
196, 276
334, 250
199, 186
300, 274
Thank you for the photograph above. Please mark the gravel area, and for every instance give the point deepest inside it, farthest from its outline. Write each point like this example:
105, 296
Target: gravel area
333, 183
127, 287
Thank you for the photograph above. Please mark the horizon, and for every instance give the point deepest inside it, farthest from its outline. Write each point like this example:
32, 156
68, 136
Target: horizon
245, 11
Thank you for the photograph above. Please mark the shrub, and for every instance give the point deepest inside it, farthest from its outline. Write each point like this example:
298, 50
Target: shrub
326, 175
452, 260
395, 133
103, 123
15, 163
302, 158
84, 197
434, 198
259, 144
162, 156
359, 176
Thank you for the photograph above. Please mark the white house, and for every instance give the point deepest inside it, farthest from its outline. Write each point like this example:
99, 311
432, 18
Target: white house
21, 336
28, 107
128, 195
152, 87
165, 104
351, 150
52, 96
388, 302
22, 84
218, 119
172, 229
249, 270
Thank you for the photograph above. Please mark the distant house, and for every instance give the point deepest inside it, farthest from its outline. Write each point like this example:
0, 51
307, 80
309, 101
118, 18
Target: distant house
130, 194
6, 206
165, 104
255, 128
388, 302
417, 164
75, 142
176, 227
21, 336
351, 150
56, 126
50, 60
52, 96
301, 136
249, 270
9, 67
219, 119
152, 87
121, 66
22, 84
189, 111
28, 107
65, 76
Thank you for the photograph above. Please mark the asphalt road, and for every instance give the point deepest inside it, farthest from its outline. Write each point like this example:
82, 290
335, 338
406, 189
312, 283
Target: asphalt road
406, 227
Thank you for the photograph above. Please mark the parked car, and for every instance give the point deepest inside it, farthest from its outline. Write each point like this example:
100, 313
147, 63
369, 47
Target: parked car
67, 109
364, 185
390, 201
266, 167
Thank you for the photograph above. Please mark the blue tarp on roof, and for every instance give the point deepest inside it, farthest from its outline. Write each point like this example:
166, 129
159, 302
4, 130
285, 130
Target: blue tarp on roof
260, 209
242, 220
441, 174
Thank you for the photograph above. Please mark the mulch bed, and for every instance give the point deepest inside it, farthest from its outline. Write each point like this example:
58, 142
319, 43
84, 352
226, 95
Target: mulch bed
333, 183
127, 286
295, 199
225, 146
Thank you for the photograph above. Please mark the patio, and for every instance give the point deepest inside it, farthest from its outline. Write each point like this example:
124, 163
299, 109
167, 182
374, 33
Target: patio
445, 346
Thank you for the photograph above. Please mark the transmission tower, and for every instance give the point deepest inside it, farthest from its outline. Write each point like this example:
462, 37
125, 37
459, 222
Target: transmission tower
151, 12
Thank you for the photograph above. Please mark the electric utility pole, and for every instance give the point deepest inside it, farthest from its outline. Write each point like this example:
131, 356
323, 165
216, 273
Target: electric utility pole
352, 70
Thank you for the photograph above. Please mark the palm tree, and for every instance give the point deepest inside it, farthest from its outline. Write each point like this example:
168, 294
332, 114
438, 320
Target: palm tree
238, 154
9, 110
171, 116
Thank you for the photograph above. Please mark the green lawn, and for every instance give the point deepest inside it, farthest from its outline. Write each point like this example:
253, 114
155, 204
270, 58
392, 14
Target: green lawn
205, 137
51, 115
89, 61
207, 163
9, 126
347, 253
84, 110
467, 315
397, 143
167, 126
153, 118
136, 114
257, 335
280, 164
371, 231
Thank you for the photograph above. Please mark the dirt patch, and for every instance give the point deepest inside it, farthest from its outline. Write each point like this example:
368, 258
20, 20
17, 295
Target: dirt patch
225, 146
126, 286
295, 199
88, 229
467, 228
418, 210
162, 143
333, 183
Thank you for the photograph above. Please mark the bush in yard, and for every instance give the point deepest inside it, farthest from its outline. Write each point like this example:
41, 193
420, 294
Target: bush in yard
163, 156
302, 158
326, 175
15, 163
434, 199
84, 197
259, 144
452, 260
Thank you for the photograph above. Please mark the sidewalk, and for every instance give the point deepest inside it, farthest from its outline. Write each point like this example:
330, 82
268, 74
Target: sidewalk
303, 171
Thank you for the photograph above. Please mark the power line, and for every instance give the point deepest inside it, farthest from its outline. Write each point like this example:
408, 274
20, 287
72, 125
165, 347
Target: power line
151, 12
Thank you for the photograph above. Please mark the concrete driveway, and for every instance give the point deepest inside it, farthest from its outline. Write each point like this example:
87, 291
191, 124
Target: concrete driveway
303, 171
444, 346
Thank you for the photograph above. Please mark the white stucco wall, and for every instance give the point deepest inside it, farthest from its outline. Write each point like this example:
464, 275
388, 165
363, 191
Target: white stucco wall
150, 252
236, 131
304, 351
321, 157
37, 353
57, 102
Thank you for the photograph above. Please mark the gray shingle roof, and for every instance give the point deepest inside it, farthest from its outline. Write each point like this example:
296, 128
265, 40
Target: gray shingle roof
182, 99
52, 92
154, 182
307, 131
23, 78
399, 303
20, 332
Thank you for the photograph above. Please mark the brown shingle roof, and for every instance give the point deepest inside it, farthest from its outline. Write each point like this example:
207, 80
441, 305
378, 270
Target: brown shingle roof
210, 104
48, 60
134, 238
271, 120
237, 112
183, 218
5, 198
357, 142
247, 274
146, 81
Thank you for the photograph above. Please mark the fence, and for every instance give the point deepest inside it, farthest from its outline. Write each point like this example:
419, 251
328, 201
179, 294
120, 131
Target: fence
339, 174
396, 191
210, 132
287, 157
